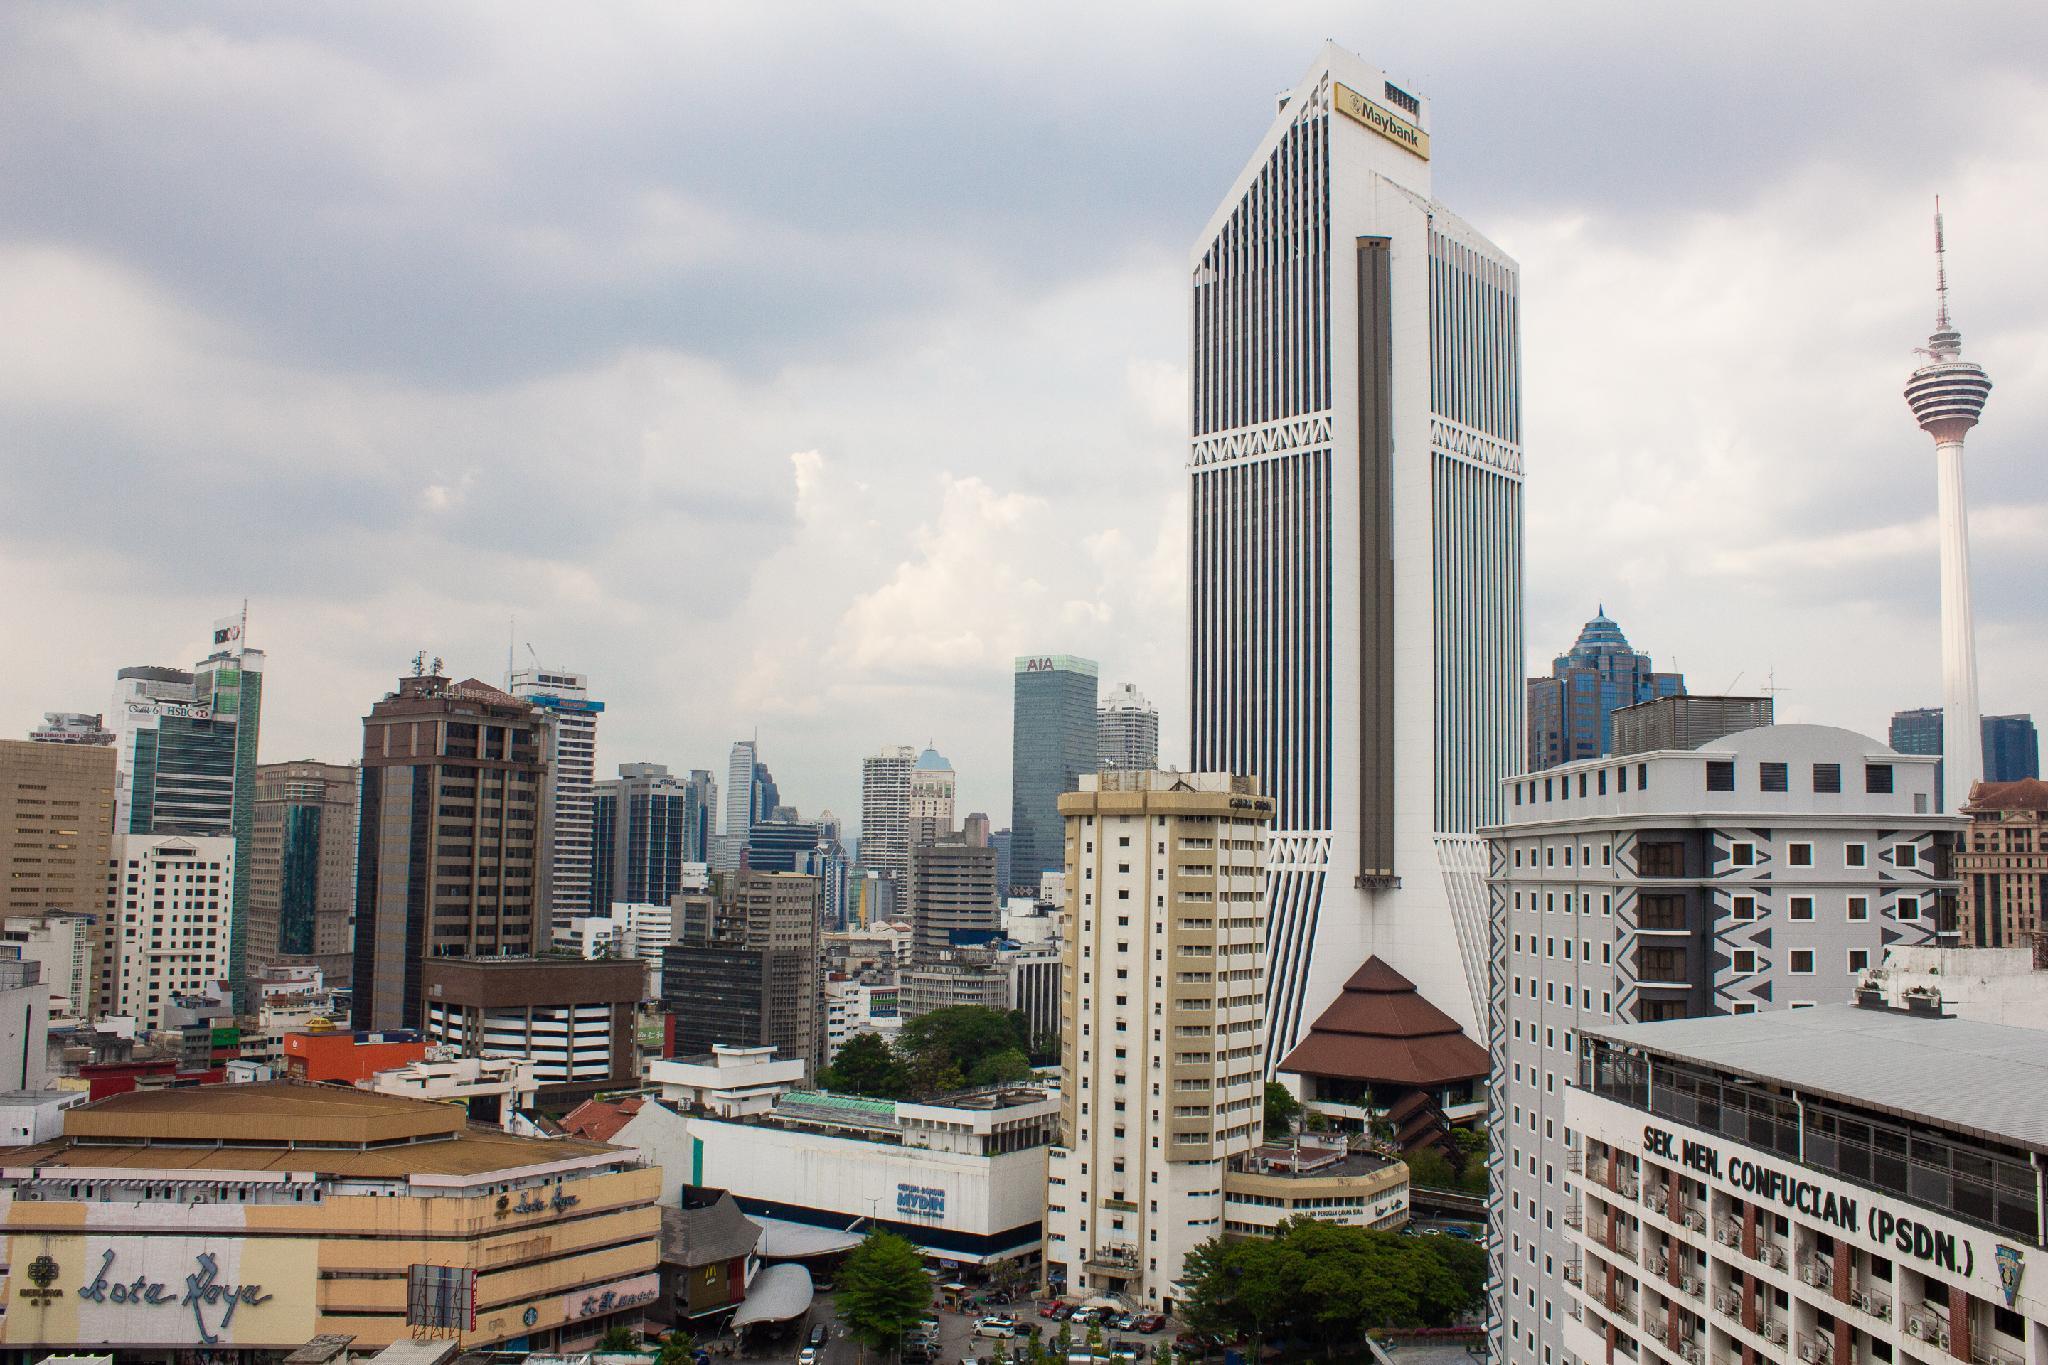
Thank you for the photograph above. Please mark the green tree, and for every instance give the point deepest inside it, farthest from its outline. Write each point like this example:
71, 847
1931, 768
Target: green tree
1000, 1068
866, 1066
1281, 1109
883, 1290
618, 1339
1427, 1166
679, 1349
955, 1041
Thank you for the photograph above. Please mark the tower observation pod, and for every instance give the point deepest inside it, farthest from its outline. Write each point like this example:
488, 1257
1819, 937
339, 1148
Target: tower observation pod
1947, 396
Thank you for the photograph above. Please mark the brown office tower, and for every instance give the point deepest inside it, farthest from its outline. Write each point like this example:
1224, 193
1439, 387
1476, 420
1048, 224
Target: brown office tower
572, 1018
447, 855
2003, 864
56, 826
303, 881
751, 977
56, 836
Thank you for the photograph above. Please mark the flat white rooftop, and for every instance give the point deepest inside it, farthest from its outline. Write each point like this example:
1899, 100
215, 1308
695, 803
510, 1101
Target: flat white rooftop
1987, 1079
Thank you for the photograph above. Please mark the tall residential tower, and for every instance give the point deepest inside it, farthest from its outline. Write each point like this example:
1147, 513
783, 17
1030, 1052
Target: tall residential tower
1947, 396
567, 811
1052, 744
1355, 540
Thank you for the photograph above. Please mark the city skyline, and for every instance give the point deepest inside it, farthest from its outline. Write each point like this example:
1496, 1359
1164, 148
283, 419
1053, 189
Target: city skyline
856, 516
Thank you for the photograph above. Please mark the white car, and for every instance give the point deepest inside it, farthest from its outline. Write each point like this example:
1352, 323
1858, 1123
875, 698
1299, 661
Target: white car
807, 1356
1000, 1328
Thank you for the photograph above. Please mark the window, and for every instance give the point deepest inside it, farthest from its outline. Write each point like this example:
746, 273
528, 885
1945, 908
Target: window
1877, 778
1905, 855
1745, 961
1802, 962
1799, 855
1720, 776
1744, 1007
1802, 907
1827, 778
1859, 909
1909, 907
1742, 854
1773, 777
1855, 855
1744, 907
1859, 959
1642, 777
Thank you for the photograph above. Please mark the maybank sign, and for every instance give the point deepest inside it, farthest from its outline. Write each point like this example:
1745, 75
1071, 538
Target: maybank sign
1382, 120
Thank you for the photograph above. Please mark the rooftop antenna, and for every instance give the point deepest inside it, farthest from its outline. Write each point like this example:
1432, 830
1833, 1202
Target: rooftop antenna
1940, 272
419, 664
511, 631
1729, 690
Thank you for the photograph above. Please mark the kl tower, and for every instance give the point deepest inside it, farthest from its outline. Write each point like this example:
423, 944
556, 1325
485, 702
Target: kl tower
1947, 395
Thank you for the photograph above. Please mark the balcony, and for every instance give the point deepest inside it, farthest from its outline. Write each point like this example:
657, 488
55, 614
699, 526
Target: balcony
1871, 1301
1575, 1161
1114, 1258
1694, 1217
1818, 1272
1814, 1348
1728, 1233
1574, 1273
1575, 1218
1772, 1329
1984, 1354
1692, 1286
1771, 1254
1728, 1303
1616, 1243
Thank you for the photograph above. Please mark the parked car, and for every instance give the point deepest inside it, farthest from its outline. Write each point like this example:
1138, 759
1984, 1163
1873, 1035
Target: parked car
807, 1356
1123, 1322
1150, 1322
1003, 1329
1050, 1308
1084, 1316
1065, 1311
819, 1333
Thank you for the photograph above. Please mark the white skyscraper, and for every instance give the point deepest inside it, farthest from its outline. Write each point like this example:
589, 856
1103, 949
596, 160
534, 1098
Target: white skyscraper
739, 806
1355, 543
1126, 731
1947, 396
885, 811
572, 773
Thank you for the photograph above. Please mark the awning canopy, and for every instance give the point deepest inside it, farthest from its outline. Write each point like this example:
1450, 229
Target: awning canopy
779, 1293
782, 1240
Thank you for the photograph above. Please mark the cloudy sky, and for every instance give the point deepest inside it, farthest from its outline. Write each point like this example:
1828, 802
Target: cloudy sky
793, 367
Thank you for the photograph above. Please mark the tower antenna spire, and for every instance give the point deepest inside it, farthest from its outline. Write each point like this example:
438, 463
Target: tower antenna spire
1940, 272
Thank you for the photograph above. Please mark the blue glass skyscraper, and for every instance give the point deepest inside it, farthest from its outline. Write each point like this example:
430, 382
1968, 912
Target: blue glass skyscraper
1568, 711
1052, 744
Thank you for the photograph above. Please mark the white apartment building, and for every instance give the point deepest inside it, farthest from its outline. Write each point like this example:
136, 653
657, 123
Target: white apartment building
885, 811
1834, 1186
168, 898
932, 781
1163, 1014
1767, 870
492, 1089
62, 942
629, 929
567, 824
854, 1007
1355, 513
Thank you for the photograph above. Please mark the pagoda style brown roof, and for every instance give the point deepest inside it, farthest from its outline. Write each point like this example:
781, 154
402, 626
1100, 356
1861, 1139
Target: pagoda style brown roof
1380, 1030
2025, 794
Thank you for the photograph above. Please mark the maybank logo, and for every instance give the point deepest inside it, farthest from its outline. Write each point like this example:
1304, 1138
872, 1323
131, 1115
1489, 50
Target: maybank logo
1382, 120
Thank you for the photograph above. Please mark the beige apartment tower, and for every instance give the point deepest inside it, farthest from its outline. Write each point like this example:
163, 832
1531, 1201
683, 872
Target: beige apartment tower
1163, 1018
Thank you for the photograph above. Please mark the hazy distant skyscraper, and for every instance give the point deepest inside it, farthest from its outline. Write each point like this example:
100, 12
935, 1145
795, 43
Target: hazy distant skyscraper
646, 824
572, 769
1569, 710
2011, 745
1947, 396
740, 794
885, 811
1355, 540
1052, 744
932, 782
302, 874
1126, 731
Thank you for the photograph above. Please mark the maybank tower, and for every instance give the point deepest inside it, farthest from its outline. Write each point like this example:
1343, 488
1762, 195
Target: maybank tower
1356, 542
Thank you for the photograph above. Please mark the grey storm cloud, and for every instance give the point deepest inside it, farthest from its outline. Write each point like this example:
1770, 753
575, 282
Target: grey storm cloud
795, 365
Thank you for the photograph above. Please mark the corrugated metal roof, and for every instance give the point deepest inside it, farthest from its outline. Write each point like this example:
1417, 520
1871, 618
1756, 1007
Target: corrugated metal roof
1986, 1079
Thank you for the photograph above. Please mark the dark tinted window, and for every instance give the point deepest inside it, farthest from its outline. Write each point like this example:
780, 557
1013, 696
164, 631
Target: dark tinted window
1720, 777
1877, 778
1773, 777
1827, 777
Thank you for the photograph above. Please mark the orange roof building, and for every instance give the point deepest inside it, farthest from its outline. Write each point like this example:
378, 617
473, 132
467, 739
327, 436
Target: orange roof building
1381, 1050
